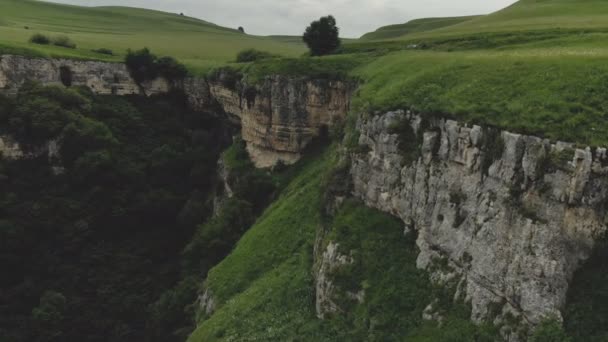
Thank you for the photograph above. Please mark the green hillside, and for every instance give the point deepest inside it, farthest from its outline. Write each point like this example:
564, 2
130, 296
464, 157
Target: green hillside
414, 26
195, 42
536, 15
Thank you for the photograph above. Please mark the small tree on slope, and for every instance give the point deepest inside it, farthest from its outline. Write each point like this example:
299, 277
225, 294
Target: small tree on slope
322, 36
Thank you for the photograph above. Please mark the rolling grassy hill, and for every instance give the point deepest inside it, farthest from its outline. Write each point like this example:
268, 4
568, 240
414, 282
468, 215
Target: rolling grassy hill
414, 26
529, 15
197, 43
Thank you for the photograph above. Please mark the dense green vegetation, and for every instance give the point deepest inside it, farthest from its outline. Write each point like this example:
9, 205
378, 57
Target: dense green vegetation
145, 66
88, 252
252, 55
264, 289
197, 43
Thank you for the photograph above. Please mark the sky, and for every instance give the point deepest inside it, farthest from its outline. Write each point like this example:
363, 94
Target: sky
290, 17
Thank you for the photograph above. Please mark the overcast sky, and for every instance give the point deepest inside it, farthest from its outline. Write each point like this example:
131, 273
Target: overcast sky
266, 17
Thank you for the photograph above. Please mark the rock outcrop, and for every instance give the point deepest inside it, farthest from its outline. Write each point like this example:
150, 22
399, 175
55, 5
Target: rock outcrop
279, 116
102, 78
325, 288
514, 215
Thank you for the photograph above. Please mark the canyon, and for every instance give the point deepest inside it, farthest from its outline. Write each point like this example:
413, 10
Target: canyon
504, 218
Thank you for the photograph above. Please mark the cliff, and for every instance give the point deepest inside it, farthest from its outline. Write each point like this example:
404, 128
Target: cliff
102, 78
279, 117
510, 217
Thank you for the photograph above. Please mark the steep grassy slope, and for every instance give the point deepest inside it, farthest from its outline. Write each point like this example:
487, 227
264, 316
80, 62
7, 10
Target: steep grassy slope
195, 42
264, 291
414, 26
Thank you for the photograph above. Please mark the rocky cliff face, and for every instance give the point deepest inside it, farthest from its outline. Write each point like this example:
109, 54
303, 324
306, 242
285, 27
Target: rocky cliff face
280, 116
513, 215
101, 77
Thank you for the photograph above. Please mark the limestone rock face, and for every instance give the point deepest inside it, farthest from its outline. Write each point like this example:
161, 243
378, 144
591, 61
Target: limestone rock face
101, 77
514, 221
282, 115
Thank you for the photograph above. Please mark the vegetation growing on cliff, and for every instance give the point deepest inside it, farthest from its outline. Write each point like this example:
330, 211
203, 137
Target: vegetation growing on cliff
88, 252
265, 289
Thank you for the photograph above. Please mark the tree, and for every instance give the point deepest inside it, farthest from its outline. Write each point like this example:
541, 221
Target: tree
241, 29
322, 36
141, 64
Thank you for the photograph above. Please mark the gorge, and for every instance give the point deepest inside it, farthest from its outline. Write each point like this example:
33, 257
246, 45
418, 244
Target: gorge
505, 219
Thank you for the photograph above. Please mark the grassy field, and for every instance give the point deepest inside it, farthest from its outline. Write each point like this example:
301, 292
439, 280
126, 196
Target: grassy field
414, 26
538, 14
197, 43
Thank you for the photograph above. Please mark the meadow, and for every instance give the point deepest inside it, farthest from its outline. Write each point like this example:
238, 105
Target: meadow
198, 44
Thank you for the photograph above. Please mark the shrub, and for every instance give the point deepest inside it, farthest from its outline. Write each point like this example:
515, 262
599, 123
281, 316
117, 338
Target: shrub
252, 55
104, 51
64, 41
322, 36
550, 331
144, 65
141, 64
227, 76
41, 39
171, 69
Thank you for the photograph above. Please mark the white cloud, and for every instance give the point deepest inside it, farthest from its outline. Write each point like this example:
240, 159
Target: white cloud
266, 17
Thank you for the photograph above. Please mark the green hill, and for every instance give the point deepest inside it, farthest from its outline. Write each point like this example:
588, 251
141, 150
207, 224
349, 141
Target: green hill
195, 42
414, 26
536, 15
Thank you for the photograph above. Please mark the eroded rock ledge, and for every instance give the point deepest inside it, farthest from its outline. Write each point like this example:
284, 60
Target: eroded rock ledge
279, 116
514, 215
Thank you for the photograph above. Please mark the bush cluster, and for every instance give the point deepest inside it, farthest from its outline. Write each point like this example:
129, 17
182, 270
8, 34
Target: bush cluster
63, 41
104, 51
252, 55
41, 39
144, 66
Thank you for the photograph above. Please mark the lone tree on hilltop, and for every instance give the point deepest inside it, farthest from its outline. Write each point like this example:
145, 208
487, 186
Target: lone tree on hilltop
241, 29
322, 36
